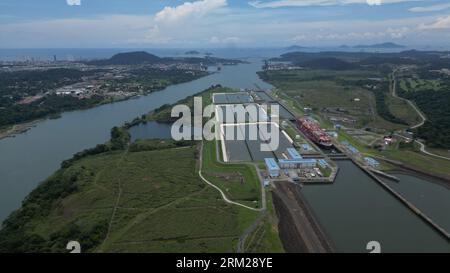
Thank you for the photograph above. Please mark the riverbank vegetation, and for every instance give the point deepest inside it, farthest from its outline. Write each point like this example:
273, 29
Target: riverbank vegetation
122, 199
30, 95
331, 94
144, 196
430, 91
354, 98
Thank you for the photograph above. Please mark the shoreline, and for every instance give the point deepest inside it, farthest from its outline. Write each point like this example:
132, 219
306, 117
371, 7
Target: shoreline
432, 179
299, 229
19, 128
402, 168
10, 131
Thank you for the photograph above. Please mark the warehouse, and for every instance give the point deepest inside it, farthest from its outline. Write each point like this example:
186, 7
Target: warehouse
293, 154
297, 163
272, 167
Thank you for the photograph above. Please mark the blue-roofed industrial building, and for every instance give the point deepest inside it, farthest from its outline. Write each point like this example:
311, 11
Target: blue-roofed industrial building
293, 154
323, 163
372, 162
272, 167
306, 147
297, 163
351, 148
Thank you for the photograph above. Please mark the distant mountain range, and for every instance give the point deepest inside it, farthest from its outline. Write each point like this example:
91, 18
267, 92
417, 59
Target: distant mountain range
192, 52
295, 47
129, 58
142, 57
383, 45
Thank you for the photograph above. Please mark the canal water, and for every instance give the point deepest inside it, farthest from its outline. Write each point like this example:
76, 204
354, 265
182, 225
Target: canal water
432, 198
30, 158
353, 211
151, 130
356, 210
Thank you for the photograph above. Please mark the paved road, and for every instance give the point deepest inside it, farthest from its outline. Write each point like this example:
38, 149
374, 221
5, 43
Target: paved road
394, 94
422, 116
257, 222
224, 197
423, 150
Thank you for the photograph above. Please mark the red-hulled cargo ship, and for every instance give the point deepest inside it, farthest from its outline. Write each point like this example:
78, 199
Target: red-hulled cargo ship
313, 131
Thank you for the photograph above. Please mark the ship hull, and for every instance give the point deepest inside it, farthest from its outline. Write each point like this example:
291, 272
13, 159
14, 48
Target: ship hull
315, 134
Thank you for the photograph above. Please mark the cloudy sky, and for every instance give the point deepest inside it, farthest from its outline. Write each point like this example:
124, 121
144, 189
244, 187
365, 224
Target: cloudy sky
221, 23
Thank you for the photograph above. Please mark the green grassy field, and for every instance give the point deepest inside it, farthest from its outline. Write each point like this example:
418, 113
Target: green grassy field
151, 201
145, 197
320, 89
163, 114
402, 110
243, 184
413, 158
412, 84
265, 237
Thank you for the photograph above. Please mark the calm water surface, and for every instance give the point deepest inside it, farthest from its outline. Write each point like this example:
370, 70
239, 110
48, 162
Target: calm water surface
31, 157
353, 211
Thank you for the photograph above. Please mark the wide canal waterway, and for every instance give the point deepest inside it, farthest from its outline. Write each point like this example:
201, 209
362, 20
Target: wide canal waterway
353, 211
356, 210
31, 157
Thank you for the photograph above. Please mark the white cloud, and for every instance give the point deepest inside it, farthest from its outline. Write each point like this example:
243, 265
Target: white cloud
398, 33
238, 28
188, 9
102, 31
430, 8
359, 35
227, 40
440, 23
306, 3
73, 2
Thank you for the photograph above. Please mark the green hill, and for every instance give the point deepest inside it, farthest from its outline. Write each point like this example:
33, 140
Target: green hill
129, 58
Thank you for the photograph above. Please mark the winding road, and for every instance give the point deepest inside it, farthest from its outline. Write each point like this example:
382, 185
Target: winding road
422, 116
262, 211
394, 94
224, 197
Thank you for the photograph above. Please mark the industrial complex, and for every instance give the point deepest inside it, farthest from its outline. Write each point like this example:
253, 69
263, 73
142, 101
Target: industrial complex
297, 157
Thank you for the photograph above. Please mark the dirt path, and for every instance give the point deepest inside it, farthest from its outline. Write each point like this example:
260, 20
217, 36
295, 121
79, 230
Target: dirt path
119, 195
224, 197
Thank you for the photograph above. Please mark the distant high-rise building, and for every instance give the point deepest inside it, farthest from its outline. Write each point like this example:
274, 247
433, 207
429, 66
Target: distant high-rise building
54, 58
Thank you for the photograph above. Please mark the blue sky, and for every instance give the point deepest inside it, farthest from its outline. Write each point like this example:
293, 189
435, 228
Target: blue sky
221, 23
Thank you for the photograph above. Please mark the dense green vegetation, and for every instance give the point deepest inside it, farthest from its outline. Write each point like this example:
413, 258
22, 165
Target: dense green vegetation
142, 57
17, 85
430, 91
129, 58
138, 197
383, 108
364, 60
119, 140
163, 113
436, 106
140, 201
333, 92
239, 181
49, 105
